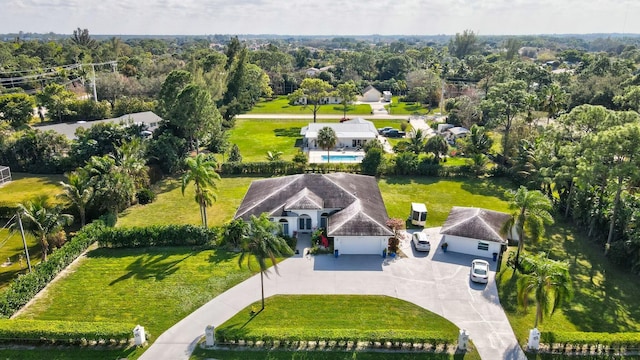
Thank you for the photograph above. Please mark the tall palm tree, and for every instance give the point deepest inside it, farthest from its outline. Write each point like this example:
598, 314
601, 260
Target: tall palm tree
530, 216
437, 145
78, 192
262, 243
202, 171
131, 159
416, 143
43, 219
548, 281
327, 139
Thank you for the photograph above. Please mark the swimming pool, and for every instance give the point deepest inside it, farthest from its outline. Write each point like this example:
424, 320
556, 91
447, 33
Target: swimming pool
342, 158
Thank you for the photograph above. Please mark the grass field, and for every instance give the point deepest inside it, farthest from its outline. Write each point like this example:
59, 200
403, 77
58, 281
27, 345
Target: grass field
280, 105
440, 195
13, 249
27, 186
606, 299
171, 207
398, 107
153, 287
200, 354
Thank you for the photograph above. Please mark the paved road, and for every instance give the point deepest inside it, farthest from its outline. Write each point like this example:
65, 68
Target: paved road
438, 282
310, 116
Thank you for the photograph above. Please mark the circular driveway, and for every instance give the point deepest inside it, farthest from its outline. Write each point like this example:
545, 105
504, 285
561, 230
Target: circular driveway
437, 281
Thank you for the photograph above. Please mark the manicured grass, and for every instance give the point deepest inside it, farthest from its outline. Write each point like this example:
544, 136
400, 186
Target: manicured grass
27, 186
398, 107
456, 161
255, 137
67, 353
606, 298
440, 195
280, 105
13, 249
200, 354
171, 207
153, 287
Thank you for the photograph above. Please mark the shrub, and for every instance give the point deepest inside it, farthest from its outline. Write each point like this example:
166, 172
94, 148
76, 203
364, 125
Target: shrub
158, 235
145, 196
25, 287
627, 339
35, 331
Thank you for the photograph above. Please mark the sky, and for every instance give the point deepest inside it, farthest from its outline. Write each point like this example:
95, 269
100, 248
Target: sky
325, 17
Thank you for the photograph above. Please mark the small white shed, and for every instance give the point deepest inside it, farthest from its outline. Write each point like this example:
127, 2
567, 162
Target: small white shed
418, 214
5, 174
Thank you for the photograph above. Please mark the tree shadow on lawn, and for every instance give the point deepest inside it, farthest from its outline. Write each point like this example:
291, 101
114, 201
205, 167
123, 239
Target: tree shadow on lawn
221, 255
146, 265
288, 132
605, 297
492, 187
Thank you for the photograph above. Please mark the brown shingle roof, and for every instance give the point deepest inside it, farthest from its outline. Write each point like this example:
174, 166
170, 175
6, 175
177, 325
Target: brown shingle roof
476, 223
362, 210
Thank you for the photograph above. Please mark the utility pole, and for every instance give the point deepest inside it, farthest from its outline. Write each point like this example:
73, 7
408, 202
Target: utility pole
93, 82
24, 241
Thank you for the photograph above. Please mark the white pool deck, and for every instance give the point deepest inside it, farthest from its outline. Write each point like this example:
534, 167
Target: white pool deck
315, 156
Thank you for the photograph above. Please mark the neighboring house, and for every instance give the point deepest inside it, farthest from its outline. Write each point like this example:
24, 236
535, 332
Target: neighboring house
353, 133
475, 231
371, 94
455, 133
312, 71
348, 206
386, 96
148, 118
324, 101
444, 127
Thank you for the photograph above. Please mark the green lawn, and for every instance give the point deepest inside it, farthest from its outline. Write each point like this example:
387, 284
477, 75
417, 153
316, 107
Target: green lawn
440, 195
398, 107
606, 298
255, 137
153, 287
171, 207
280, 105
13, 249
349, 313
200, 354
27, 186
66, 353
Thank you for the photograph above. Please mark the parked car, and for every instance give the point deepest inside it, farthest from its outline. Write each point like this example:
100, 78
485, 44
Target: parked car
479, 271
421, 242
394, 133
381, 131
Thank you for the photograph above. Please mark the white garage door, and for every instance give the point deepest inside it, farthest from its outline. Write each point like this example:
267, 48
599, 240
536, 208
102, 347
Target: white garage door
360, 245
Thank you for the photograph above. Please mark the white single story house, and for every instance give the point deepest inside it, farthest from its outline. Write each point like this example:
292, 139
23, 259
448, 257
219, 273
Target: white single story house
475, 231
455, 133
147, 118
348, 206
371, 94
352, 133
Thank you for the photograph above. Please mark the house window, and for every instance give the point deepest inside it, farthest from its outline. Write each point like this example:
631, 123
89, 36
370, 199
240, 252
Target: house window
284, 226
483, 246
323, 220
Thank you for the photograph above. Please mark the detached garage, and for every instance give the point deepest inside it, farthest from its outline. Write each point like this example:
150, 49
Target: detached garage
475, 231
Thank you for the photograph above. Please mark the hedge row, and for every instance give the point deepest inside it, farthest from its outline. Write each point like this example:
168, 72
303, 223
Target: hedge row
338, 335
35, 331
26, 286
158, 235
616, 340
262, 168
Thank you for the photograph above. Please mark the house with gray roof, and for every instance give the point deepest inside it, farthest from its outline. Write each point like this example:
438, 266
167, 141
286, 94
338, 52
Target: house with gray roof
476, 231
147, 118
348, 206
353, 133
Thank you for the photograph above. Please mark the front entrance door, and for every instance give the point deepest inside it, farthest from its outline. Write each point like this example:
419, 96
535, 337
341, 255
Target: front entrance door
304, 223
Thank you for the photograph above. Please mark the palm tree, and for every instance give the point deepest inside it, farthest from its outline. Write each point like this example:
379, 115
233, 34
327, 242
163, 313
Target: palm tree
437, 145
262, 243
327, 139
202, 171
131, 159
530, 215
274, 155
77, 192
416, 143
43, 219
549, 282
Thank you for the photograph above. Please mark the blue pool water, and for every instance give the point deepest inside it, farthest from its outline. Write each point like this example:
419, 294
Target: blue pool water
343, 158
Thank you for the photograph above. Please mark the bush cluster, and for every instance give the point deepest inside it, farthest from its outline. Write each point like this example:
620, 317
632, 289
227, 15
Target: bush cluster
158, 235
567, 341
69, 332
25, 287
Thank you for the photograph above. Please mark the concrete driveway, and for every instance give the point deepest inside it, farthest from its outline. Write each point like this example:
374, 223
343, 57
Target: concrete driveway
436, 281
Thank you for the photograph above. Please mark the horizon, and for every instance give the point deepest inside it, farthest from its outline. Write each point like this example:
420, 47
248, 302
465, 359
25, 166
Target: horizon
331, 18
